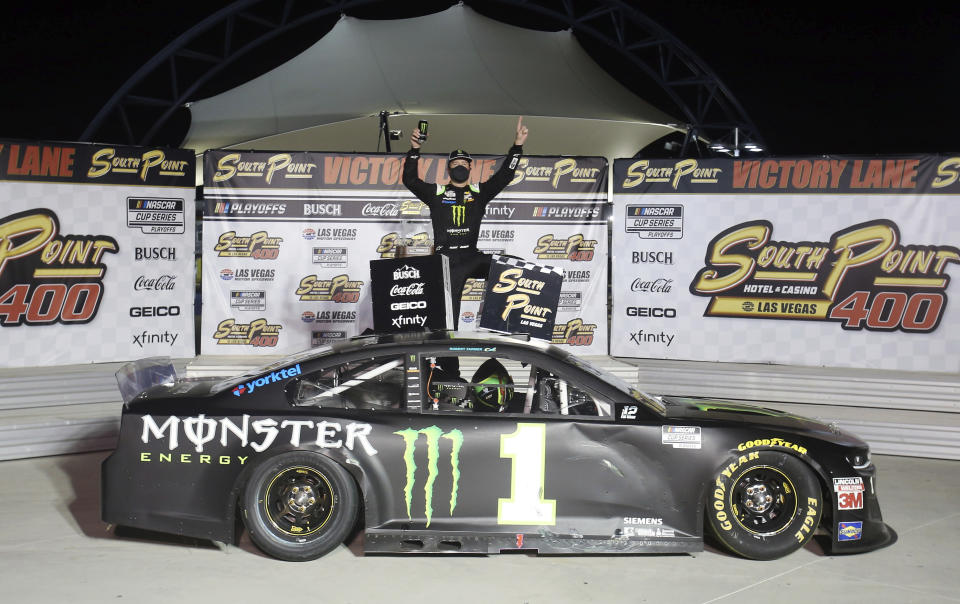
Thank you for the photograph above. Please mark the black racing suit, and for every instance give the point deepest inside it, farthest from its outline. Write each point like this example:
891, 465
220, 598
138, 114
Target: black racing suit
456, 213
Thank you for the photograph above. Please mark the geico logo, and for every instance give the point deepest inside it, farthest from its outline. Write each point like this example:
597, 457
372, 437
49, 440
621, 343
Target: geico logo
154, 311
408, 305
644, 311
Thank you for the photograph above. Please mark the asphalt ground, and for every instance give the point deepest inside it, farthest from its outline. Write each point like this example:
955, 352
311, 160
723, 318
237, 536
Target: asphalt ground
54, 548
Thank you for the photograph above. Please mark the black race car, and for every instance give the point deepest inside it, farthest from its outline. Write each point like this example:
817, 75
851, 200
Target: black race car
537, 450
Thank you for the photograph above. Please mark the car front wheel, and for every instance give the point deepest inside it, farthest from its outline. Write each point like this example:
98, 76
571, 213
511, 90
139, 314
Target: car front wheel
764, 505
298, 506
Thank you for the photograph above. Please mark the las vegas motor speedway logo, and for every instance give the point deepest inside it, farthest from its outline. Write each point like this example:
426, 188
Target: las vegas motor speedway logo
863, 277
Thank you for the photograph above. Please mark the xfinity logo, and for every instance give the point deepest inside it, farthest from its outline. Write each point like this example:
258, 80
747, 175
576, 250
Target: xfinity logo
646, 311
408, 305
154, 338
653, 257
656, 286
417, 320
155, 253
414, 289
154, 311
642, 337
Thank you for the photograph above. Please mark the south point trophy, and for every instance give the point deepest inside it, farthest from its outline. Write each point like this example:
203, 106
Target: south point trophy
412, 239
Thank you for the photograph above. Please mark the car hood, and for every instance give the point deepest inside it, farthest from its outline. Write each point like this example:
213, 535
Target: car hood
705, 409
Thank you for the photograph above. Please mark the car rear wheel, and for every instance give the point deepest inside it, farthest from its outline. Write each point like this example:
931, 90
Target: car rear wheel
764, 505
298, 506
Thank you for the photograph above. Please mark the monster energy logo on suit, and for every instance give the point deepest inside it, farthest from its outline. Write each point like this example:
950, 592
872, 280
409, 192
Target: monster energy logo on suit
433, 434
459, 212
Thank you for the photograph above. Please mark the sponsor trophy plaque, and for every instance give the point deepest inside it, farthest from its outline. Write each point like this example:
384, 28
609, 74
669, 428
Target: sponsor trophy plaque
411, 293
521, 297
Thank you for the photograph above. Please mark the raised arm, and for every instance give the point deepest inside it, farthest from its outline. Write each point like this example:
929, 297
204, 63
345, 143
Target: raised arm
504, 174
411, 174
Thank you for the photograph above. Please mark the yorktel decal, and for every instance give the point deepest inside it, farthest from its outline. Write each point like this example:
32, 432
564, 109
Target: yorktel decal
201, 430
276, 376
433, 434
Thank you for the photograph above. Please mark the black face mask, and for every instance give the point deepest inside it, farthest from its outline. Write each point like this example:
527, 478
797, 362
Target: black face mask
459, 173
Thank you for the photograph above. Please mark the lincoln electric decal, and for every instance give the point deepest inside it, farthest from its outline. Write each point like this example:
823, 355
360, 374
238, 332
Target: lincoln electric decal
863, 277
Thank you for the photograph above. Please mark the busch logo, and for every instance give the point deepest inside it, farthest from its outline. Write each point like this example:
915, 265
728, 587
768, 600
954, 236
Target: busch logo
406, 272
414, 289
155, 253
433, 434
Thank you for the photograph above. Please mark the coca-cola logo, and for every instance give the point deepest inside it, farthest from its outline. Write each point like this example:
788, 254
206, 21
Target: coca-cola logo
161, 283
379, 210
414, 289
655, 286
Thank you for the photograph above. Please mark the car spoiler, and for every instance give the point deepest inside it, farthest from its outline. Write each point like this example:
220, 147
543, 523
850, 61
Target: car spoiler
138, 376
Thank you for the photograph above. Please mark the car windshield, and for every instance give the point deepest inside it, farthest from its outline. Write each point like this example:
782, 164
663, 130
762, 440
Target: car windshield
648, 400
297, 357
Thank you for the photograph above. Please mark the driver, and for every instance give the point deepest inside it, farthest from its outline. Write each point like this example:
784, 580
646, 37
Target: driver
457, 208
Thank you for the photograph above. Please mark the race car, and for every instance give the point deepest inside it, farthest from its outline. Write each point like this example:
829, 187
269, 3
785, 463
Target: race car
519, 446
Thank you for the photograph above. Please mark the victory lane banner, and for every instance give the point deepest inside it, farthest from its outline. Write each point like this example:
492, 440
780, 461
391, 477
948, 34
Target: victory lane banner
289, 237
838, 261
96, 252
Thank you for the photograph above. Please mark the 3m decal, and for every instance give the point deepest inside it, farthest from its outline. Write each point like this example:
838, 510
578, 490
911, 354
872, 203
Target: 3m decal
433, 435
849, 493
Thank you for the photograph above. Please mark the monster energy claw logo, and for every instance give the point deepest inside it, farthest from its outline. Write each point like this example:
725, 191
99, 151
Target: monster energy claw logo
433, 434
458, 214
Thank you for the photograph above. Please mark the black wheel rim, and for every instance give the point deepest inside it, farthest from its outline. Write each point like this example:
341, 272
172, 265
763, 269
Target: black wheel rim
764, 500
299, 502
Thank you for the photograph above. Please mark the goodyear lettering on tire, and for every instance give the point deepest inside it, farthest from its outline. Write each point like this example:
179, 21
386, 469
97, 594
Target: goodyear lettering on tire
720, 492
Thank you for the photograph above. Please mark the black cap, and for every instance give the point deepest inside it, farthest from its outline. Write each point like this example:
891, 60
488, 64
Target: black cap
459, 154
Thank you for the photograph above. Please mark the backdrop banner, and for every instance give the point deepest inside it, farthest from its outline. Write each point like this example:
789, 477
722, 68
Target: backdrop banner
288, 238
96, 253
839, 261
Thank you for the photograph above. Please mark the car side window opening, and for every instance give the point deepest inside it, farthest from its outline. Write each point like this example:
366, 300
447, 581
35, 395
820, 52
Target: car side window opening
504, 385
377, 383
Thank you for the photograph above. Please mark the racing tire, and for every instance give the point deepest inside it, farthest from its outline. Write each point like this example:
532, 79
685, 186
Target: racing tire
764, 505
298, 506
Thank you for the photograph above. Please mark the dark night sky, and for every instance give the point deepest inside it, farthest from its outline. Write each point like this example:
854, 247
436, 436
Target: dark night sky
816, 77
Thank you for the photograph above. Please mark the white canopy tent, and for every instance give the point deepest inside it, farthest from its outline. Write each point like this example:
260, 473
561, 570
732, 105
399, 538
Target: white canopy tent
470, 76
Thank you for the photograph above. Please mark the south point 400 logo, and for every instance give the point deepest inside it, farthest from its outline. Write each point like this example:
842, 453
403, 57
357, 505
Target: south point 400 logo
574, 333
574, 248
46, 277
259, 246
258, 333
863, 277
339, 289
